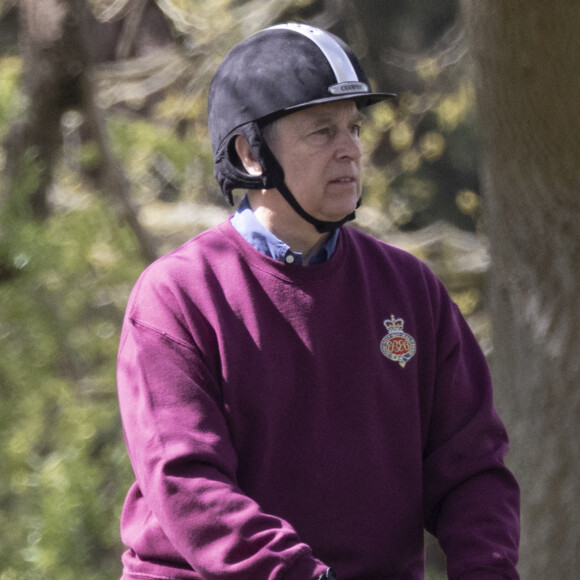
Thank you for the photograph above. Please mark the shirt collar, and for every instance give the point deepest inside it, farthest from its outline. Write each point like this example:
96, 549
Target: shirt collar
263, 240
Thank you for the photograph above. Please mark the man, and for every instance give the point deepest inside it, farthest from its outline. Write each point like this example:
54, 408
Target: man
299, 399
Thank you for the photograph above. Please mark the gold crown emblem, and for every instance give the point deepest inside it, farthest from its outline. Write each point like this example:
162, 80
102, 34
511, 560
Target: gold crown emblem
394, 324
397, 345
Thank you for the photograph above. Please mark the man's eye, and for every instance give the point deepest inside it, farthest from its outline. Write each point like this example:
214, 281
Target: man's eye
356, 129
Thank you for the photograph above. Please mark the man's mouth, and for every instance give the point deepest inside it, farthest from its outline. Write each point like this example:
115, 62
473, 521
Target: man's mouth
343, 180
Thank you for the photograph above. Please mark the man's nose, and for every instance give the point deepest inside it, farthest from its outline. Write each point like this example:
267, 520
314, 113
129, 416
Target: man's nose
348, 144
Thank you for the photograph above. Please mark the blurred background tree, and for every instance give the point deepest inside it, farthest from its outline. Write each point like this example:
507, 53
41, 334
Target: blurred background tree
106, 164
528, 86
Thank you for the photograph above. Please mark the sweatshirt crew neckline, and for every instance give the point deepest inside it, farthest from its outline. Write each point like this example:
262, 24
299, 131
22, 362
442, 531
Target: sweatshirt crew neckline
300, 274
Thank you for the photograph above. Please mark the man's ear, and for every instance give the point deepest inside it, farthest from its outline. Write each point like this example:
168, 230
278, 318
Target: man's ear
246, 156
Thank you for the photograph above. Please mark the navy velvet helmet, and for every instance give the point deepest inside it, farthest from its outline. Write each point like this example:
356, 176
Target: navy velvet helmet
273, 73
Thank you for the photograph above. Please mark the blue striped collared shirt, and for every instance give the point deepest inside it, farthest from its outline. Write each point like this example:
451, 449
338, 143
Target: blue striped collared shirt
263, 240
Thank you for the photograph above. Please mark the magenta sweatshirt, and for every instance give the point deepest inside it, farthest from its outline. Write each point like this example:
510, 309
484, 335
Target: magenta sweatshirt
281, 419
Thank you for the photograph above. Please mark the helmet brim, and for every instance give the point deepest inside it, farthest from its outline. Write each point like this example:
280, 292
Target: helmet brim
362, 100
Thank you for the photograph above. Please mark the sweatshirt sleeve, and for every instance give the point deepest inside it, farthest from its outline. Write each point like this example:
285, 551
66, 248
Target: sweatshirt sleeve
471, 500
185, 467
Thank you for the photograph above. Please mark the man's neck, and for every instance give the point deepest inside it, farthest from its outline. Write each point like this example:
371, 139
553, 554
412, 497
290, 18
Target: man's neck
288, 226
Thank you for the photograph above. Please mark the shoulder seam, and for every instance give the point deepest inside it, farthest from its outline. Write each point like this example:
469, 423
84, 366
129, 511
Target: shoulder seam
162, 333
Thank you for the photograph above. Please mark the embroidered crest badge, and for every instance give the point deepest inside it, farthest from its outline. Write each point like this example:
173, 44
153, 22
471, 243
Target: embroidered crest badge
397, 345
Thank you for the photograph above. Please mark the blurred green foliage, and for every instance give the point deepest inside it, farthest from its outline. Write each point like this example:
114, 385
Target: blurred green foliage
65, 466
10, 104
65, 280
64, 283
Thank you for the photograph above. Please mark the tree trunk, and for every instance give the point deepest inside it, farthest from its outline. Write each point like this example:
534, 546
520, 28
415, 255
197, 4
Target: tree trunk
528, 88
59, 42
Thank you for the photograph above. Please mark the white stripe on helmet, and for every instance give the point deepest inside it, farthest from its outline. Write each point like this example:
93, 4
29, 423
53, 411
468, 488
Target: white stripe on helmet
334, 53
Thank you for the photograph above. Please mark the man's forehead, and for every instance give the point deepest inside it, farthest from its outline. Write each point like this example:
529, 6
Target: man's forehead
326, 112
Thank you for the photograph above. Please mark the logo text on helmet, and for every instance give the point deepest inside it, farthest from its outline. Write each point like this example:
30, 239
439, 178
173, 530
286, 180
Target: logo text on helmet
348, 87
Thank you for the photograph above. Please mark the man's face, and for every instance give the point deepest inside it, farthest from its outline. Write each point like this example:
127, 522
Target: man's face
319, 150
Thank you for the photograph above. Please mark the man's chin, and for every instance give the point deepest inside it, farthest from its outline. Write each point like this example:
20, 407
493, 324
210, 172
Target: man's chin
336, 216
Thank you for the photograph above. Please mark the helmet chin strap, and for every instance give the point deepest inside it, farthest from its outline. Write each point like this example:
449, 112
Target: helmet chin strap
230, 176
320, 225
273, 170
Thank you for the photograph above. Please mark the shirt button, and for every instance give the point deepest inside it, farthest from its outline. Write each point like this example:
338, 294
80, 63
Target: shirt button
289, 259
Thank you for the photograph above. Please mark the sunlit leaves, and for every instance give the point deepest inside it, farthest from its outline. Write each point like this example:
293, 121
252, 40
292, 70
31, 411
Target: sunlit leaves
454, 107
428, 69
432, 145
11, 102
401, 136
468, 202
